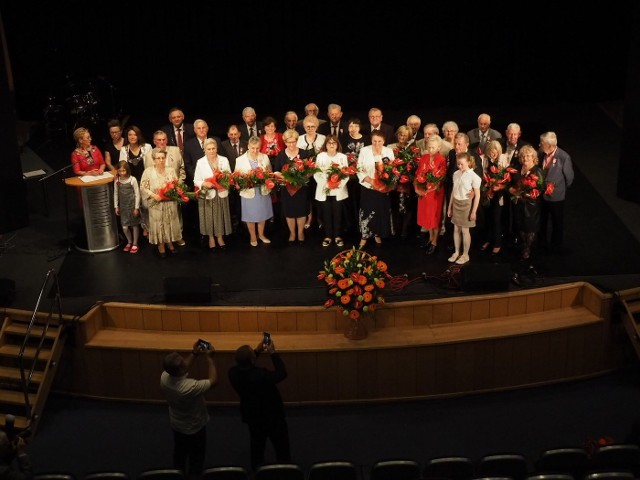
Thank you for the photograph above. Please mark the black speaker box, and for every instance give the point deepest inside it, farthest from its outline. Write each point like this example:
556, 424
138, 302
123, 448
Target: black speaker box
7, 292
485, 277
187, 289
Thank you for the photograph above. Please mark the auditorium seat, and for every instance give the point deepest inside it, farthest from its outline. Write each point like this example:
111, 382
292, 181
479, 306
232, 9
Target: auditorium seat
230, 472
54, 476
161, 474
512, 465
106, 475
570, 460
395, 469
618, 457
613, 475
334, 470
452, 468
551, 476
279, 471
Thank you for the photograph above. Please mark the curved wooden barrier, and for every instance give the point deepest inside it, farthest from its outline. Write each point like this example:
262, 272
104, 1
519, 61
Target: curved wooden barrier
416, 349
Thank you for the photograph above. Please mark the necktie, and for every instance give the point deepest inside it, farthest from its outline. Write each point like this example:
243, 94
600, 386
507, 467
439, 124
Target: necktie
202, 145
237, 148
335, 130
179, 138
250, 132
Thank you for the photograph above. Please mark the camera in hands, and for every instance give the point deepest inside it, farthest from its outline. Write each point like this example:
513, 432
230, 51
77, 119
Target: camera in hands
204, 345
266, 339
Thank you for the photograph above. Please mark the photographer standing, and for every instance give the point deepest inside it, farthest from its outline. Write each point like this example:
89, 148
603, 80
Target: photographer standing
14, 461
260, 402
188, 414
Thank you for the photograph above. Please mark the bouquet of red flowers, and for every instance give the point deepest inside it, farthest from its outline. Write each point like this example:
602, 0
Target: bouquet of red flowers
336, 173
253, 178
430, 180
174, 191
530, 187
352, 158
496, 179
407, 158
296, 173
391, 173
222, 180
355, 280
272, 149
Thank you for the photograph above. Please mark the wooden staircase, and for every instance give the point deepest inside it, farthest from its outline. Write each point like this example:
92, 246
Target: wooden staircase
31, 345
630, 301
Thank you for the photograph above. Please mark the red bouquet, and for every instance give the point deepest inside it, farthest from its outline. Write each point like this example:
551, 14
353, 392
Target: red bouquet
174, 191
530, 187
430, 180
335, 174
221, 180
391, 173
254, 178
496, 179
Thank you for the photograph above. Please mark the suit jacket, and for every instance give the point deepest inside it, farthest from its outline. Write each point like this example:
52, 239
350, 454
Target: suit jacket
243, 165
559, 172
192, 153
514, 161
174, 161
343, 130
386, 129
228, 151
244, 130
204, 171
187, 133
474, 138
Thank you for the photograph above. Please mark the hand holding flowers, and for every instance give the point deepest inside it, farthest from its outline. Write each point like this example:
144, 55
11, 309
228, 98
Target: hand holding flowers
335, 174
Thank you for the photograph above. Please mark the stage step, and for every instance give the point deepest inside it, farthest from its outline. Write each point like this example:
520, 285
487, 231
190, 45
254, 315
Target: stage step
630, 300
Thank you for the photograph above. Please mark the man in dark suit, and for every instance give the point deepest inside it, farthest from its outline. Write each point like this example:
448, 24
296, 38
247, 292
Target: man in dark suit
290, 122
481, 136
309, 109
250, 126
261, 405
335, 125
414, 122
375, 123
232, 148
558, 169
178, 132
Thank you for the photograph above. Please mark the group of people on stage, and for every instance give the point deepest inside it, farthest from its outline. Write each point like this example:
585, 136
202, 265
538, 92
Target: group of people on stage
336, 173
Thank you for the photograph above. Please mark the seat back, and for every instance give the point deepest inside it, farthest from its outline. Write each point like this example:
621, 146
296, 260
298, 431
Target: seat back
551, 476
162, 474
452, 468
612, 475
335, 470
229, 472
511, 465
54, 476
569, 460
618, 457
106, 475
396, 469
279, 471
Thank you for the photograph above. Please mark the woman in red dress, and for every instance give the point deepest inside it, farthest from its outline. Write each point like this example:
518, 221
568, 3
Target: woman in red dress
431, 167
86, 158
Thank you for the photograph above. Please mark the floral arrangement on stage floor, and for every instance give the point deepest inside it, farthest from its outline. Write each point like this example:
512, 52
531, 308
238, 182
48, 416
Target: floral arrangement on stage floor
355, 281
296, 173
336, 173
530, 187
254, 178
496, 179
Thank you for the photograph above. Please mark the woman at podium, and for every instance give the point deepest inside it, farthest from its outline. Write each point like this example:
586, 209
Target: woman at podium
86, 158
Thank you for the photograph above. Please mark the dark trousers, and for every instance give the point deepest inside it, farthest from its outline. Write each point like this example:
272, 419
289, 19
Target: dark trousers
552, 212
277, 431
189, 452
331, 211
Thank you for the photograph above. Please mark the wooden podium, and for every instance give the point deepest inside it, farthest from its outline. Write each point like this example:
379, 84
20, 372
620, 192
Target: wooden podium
99, 214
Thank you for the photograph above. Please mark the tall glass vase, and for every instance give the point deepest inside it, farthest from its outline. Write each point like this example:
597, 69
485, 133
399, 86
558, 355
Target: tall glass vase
356, 329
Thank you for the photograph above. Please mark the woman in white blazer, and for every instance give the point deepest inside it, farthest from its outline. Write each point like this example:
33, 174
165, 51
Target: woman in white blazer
255, 202
330, 197
213, 207
374, 215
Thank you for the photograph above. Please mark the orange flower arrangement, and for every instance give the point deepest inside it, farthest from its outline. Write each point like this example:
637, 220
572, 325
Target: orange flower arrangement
355, 280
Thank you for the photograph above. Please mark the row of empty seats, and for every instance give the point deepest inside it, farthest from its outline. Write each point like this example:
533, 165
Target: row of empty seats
610, 462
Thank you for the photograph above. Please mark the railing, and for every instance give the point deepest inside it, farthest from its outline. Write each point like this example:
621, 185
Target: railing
26, 371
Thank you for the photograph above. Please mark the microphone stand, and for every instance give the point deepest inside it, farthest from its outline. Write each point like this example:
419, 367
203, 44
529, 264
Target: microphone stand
66, 202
